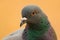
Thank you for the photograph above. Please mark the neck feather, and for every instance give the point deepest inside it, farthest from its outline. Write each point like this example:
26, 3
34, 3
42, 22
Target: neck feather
34, 31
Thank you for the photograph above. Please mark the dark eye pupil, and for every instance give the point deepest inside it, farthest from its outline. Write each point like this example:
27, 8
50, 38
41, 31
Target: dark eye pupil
33, 12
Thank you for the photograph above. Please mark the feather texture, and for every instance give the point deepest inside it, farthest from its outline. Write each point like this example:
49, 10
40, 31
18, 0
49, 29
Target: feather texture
17, 35
37, 28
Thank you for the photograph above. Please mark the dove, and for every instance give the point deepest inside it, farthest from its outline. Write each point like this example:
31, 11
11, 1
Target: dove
37, 26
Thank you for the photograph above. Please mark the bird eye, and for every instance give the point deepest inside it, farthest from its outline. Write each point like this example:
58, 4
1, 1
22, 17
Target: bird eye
34, 13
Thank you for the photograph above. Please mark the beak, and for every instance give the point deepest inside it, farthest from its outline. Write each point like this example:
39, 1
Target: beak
23, 20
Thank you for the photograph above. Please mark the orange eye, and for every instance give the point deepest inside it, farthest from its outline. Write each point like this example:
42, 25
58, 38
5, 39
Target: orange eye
33, 13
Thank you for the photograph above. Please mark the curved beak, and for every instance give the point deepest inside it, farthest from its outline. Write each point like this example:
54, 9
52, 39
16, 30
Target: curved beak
23, 20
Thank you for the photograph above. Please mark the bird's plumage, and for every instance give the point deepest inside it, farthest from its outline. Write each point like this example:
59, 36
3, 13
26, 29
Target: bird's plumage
48, 35
38, 27
17, 35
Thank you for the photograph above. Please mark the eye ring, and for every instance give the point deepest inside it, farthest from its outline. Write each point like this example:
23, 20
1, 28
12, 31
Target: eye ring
34, 12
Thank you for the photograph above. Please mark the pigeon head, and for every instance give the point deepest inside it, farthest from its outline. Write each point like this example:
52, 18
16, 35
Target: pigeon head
31, 14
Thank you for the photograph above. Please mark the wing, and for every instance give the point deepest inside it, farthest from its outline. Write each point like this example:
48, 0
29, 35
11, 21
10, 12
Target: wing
17, 35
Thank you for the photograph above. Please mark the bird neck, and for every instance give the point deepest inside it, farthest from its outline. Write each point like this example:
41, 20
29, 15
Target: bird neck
35, 31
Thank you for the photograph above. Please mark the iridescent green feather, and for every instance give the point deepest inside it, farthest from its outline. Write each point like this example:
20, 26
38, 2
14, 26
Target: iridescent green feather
38, 30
